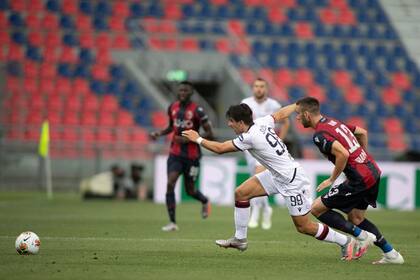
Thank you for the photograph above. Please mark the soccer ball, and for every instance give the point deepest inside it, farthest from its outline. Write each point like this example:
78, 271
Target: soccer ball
27, 243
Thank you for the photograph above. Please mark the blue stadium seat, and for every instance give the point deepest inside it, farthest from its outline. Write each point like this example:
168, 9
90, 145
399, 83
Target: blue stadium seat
113, 87
33, 53
296, 93
286, 30
137, 10
206, 45
100, 23
70, 39
86, 56
334, 94
321, 77
65, 70
4, 5
53, 5
380, 50
257, 13
103, 8
411, 125
362, 110
355, 32
382, 110
66, 22
371, 94
269, 29
116, 72
293, 15
18, 37
381, 79
320, 30
276, 48
86, 7
16, 19
252, 29
155, 10
391, 64
14, 68
377, 142
375, 126
82, 71
239, 12
223, 12
98, 87
218, 29
258, 47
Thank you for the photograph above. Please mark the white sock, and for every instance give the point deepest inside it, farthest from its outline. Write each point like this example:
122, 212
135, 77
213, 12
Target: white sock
241, 222
327, 234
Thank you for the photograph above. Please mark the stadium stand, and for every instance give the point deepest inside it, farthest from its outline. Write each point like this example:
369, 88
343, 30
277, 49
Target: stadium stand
59, 66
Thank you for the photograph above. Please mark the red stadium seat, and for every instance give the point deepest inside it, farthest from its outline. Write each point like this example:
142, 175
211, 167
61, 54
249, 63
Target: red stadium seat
304, 30
318, 92
357, 121
88, 135
68, 55
109, 104
124, 119
167, 27
276, 15
346, 17
71, 118
47, 86
48, 70
223, 45
63, 86
83, 22
50, 22
155, 43
121, 41
30, 84
4, 38
103, 56
52, 40
31, 69
13, 84
18, 5
393, 126
36, 38
341, 78
219, 2
34, 118
328, 16
170, 44
80, 86
248, 75
353, 95
102, 40
54, 117
70, 134
189, 44
91, 103
303, 77
397, 143
33, 21
120, 9
4, 22
338, 4
73, 103
106, 119
105, 136
283, 77
159, 119
236, 27
32, 134
140, 136
15, 52
55, 103
117, 24
172, 11
99, 72
266, 74
69, 6
123, 136
401, 81
88, 118
391, 96
35, 6
86, 40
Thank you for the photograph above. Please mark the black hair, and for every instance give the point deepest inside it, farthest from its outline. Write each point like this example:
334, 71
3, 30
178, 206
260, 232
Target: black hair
187, 83
309, 104
240, 112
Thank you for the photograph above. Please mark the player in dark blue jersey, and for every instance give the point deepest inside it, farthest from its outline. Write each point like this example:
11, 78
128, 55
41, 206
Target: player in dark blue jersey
184, 156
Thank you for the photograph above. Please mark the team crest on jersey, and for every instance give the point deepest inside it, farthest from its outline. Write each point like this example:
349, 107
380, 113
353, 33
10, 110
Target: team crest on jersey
188, 115
316, 139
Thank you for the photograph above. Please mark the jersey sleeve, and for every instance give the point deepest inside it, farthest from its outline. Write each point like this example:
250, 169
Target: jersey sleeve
202, 116
323, 141
276, 106
243, 142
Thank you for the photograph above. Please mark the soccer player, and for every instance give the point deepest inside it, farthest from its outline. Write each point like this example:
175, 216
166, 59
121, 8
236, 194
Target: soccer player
282, 175
346, 147
261, 105
184, 156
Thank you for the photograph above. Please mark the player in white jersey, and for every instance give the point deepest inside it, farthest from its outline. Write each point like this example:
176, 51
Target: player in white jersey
283, 176
261, 105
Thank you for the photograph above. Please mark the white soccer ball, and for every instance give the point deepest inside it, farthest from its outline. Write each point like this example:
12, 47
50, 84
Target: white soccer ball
27, 243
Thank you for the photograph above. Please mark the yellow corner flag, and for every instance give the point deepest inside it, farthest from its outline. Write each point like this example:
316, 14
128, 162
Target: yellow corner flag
44, 140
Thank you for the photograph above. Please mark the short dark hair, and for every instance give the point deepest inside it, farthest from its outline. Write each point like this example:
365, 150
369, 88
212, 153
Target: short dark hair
240, 112
309, 104
187, 83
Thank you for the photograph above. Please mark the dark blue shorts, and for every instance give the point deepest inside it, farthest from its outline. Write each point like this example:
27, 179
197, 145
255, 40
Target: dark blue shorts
190, 168
346, 197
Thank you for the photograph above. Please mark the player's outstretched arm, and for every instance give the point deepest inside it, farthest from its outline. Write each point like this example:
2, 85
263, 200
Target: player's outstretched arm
214, 146
284, 112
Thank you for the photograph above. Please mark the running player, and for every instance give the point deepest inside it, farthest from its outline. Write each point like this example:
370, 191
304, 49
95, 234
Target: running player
346, 147
261, 105
184, 156
282, 175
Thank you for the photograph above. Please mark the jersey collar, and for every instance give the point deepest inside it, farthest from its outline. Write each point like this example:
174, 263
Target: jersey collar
321, 120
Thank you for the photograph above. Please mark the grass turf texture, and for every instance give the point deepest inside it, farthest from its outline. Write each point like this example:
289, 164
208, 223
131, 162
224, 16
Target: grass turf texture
123, 240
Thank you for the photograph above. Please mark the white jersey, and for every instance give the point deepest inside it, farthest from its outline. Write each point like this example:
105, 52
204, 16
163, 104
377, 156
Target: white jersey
262, 142
265, 108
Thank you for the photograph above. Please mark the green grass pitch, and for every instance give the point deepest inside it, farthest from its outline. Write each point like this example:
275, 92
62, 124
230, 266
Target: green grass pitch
123, 240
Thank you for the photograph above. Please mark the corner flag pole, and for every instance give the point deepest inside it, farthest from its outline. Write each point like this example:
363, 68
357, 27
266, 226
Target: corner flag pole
44, 146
